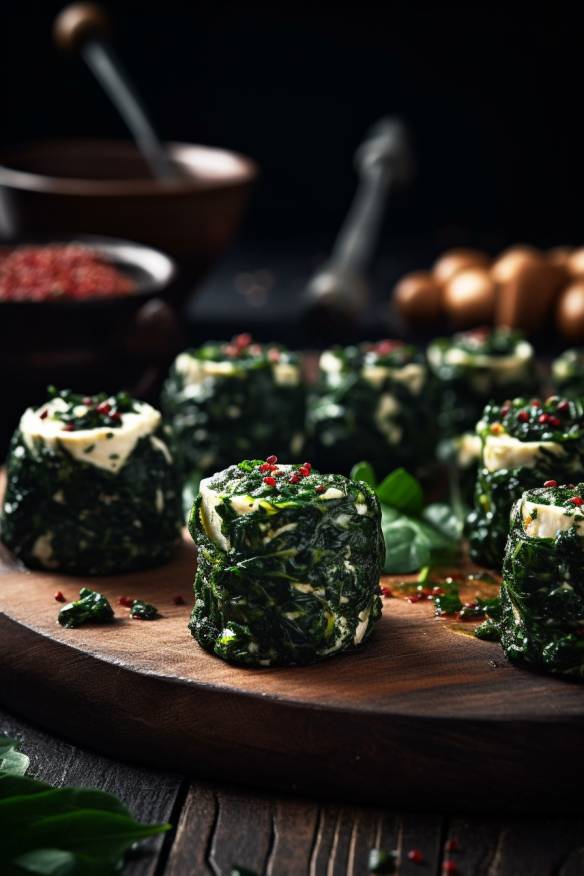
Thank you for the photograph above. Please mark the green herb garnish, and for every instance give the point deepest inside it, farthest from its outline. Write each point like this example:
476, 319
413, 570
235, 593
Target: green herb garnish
90, 412
383, 861
90, 608
61, 831
143, 610
415, 536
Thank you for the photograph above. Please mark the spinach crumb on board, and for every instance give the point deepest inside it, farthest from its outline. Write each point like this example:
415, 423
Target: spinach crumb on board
568, 373
288, 563
225, 401
542, 594
524, 444
91, 486
374, 402
90, 608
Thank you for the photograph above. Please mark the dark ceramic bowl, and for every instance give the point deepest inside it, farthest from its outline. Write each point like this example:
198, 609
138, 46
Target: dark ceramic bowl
108, 343
104, 187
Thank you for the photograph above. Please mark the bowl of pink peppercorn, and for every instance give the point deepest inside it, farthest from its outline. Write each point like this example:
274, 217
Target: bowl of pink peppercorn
89, 313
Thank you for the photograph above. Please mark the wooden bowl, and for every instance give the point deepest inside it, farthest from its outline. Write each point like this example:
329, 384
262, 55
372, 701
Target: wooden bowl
104, 187
108, 343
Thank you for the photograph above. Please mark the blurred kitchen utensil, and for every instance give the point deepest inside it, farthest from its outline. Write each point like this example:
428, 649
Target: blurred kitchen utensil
338, 293
84, 28
104, 187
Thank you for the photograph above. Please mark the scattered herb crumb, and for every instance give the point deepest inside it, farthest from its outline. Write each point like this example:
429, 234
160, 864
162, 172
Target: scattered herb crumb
143, 610
90, 608
383, 861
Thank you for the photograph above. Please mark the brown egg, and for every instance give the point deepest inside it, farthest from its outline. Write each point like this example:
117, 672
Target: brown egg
576, 263
512, 260
418, 297
560, 256
527, 298
469, 297
455, 260
570, 311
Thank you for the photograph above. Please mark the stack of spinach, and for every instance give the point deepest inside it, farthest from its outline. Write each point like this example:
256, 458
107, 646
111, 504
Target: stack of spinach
568, 373
374, 402
62, 512
476, 367
226, 401
415, 534
60, 831
548, 438
288, 564
542, 595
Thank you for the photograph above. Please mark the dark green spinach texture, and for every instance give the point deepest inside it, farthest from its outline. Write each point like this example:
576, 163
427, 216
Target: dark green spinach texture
90, 520
253, 407
292, 575
61, 831
568, 373
90, 608
542, 595
498, 489
376, 403
468, 384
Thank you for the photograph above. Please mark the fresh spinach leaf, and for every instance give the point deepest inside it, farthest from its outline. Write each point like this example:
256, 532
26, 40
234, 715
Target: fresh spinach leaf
47, 862
60, 831
401, 491
442, 517
407, 550
12, 761
363, 471
414, 536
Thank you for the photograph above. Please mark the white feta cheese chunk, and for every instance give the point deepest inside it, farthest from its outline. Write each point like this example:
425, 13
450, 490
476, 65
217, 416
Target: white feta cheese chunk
286, 374
502, 369
545, 521
503, 451
196, 370
104, 447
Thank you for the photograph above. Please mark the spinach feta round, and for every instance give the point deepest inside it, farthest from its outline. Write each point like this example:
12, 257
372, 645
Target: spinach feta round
288, 563
225, 401
372, 402
473, 368
568, 372
91, 486
542, 595
523, 444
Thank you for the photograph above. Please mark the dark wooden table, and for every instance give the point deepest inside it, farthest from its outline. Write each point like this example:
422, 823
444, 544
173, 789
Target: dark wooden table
216, 826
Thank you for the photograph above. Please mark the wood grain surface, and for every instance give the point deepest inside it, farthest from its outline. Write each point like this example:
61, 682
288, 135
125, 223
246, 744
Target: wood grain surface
216, 826
396, 716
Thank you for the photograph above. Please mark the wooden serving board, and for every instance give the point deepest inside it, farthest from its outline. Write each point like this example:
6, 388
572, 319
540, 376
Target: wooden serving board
420, 714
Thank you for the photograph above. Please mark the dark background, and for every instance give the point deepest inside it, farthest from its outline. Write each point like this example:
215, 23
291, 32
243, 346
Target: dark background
492, 97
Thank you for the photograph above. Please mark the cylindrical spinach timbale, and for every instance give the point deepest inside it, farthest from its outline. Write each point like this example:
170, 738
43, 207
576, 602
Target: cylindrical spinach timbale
542, 595
225, 401
288, 563
523, 444
91, 486
568, 372
477, 367
372, 402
